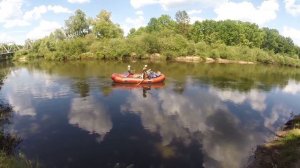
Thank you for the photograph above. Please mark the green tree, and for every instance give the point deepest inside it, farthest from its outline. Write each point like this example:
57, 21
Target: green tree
77, 25
162, 23
275, 42
58, 34
205, 31
183, 21
103, 27
28, 44
132, 31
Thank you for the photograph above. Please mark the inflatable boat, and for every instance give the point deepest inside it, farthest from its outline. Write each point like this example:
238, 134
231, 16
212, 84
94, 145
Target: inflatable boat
127, 86
136, 79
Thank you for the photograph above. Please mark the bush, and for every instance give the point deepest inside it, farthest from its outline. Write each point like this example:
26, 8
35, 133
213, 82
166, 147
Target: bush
201, 49
175, 46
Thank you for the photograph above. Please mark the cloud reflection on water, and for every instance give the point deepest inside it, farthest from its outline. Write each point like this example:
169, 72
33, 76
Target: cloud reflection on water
292, 87
90, 115
22, 88
227, 142
254, 97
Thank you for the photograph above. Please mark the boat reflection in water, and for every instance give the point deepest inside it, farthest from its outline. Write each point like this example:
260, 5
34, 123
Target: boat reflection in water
143, 86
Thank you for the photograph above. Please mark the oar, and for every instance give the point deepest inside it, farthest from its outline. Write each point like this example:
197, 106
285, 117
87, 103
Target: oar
140, 82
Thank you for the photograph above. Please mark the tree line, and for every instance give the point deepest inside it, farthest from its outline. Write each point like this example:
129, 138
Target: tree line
99, 38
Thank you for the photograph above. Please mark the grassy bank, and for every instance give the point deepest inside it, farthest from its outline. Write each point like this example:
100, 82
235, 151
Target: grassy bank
8, 143
9, 161
282, 152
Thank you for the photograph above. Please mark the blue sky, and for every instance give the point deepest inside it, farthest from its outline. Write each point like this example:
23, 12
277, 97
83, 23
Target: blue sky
34, 19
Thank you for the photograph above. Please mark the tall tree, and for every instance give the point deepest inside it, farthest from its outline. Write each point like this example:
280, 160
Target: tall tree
77, 25
103, 27
58, 34
164, 22
183, 21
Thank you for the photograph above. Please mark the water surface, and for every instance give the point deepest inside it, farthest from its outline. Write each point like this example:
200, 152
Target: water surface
204, 115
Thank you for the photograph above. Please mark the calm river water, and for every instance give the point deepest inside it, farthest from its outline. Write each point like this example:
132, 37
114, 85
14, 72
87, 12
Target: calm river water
204, 115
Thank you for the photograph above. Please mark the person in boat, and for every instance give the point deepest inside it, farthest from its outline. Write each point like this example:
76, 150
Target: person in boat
145, 75
149, 73
129, 70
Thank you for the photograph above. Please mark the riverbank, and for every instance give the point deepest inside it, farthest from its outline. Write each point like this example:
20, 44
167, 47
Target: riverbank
283, 151
9, 157
202, 52
197, 59
9, 161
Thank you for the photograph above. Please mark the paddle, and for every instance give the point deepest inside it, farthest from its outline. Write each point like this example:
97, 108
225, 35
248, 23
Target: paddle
140, 82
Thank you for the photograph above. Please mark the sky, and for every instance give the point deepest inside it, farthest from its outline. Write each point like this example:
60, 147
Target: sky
34, 19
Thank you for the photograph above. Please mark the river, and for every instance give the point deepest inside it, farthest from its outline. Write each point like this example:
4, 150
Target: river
204, 115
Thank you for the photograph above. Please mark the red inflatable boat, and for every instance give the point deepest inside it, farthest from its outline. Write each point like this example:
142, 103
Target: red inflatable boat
122, 78
134, 86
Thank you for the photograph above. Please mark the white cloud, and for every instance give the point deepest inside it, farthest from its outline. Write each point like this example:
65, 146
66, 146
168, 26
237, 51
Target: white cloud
136, 22
173, 3
79, 1
195, 18
11, 14
166, 4
4, 38
138, 3
193, 12
10, 9
12, 36
38, 11
58, 9
15, 23
139, 12
292, 33
44, 29
246, 11
292, 8
193, 15
292, 87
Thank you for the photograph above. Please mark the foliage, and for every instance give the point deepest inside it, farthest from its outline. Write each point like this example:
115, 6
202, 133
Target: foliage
104, 28
8, 161
183, 21
77, 25
100, 38
287, 147
174, 46
161, 23
58, 34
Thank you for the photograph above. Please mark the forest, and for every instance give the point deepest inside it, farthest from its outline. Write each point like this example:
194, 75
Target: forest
99, 38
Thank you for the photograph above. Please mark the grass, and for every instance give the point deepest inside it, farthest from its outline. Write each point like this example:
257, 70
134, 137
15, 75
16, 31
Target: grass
11, 161
8, 158
288, 148
8, 144
282, 152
